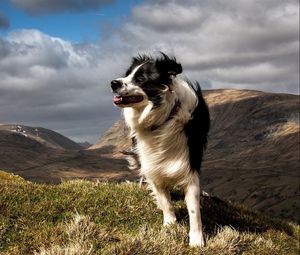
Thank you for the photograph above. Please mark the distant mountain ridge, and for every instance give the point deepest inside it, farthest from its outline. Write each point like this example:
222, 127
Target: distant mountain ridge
43, 155
46, 137
85, 145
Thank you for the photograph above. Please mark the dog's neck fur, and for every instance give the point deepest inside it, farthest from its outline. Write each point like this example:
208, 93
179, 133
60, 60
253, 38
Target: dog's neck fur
139, 123
143, 118
146, 117
173, 112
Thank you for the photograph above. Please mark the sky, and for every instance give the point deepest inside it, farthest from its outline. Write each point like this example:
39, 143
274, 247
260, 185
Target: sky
57, 57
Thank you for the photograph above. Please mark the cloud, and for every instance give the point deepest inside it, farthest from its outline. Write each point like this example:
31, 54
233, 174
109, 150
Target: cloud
4, 22
51, 82
54, 6
250, 44
177, 18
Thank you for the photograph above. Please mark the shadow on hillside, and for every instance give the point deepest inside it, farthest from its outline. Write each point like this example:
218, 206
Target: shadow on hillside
53, 166
108, 149
252, 114
217, 213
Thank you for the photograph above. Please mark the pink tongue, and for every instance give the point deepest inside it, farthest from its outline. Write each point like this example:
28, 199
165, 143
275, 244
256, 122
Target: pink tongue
117, 99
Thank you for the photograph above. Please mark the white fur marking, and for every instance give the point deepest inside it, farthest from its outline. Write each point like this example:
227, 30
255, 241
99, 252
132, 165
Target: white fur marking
145, 112
128, 78
164, 203
192, 198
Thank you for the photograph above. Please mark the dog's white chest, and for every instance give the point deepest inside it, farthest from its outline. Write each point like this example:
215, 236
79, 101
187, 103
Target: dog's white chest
163, 156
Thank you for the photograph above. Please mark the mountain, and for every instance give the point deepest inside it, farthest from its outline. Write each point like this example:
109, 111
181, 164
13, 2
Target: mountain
42, 155
253, 149
116, 138
46, 137
85, 144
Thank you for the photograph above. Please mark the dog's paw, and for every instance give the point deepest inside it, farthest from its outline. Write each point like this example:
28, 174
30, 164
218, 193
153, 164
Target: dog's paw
169, 220
196, 240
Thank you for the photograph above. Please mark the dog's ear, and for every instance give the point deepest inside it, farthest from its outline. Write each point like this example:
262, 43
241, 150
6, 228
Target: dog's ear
168, 66
140, 58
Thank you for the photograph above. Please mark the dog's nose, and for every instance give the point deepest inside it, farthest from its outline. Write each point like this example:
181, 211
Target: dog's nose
116, 84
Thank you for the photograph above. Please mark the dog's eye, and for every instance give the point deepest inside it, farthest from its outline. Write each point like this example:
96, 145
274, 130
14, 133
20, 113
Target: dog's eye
140, 78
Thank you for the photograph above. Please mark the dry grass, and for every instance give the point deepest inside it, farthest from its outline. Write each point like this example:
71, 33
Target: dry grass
79, 232
290, 127
84, 218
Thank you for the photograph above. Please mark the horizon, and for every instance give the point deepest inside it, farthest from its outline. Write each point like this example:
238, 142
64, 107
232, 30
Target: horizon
104, 132
57, 57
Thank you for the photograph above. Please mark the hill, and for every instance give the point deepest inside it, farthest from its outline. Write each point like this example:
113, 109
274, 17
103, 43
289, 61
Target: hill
253, 149
46, 137
85, 145
82, 217
42, 155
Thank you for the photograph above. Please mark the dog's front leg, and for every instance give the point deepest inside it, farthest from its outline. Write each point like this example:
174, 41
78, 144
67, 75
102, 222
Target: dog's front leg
192, 198
164, 203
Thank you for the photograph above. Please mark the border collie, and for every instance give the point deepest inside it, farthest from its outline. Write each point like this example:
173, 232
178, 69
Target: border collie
168, 121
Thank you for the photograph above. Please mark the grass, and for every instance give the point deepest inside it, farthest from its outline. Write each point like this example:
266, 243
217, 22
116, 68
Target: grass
82, 218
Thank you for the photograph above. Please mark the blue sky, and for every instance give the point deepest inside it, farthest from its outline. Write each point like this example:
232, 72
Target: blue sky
57, 57
71, 25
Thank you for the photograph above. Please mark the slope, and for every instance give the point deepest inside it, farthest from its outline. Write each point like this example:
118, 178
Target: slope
47, 156
81, 217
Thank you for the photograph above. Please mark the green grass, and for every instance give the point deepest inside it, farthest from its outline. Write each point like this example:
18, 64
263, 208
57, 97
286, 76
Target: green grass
82, 217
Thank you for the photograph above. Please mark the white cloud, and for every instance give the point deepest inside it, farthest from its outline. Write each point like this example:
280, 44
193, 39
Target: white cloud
46, 80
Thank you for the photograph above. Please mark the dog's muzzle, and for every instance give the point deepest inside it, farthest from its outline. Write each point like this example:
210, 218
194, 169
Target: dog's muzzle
122, 99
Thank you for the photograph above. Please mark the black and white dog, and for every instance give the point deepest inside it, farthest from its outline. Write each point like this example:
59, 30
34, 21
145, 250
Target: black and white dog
169, 121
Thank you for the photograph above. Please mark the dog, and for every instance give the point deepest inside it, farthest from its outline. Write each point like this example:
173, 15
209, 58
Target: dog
169, 121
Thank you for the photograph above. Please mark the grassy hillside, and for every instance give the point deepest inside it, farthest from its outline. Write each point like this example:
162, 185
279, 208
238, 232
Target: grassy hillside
82, 217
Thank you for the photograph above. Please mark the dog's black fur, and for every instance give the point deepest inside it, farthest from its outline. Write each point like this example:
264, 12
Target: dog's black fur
197, 129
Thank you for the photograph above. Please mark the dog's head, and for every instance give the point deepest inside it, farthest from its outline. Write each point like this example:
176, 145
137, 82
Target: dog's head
147, 79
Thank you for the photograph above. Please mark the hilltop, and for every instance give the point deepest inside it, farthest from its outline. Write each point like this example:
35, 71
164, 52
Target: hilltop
82, 217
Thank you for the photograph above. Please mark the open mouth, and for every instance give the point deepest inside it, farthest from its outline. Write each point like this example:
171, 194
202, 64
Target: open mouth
118, 100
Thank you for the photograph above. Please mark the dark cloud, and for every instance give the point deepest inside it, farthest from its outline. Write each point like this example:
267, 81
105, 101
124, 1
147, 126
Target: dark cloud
46, 6
4, 22
250, 44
